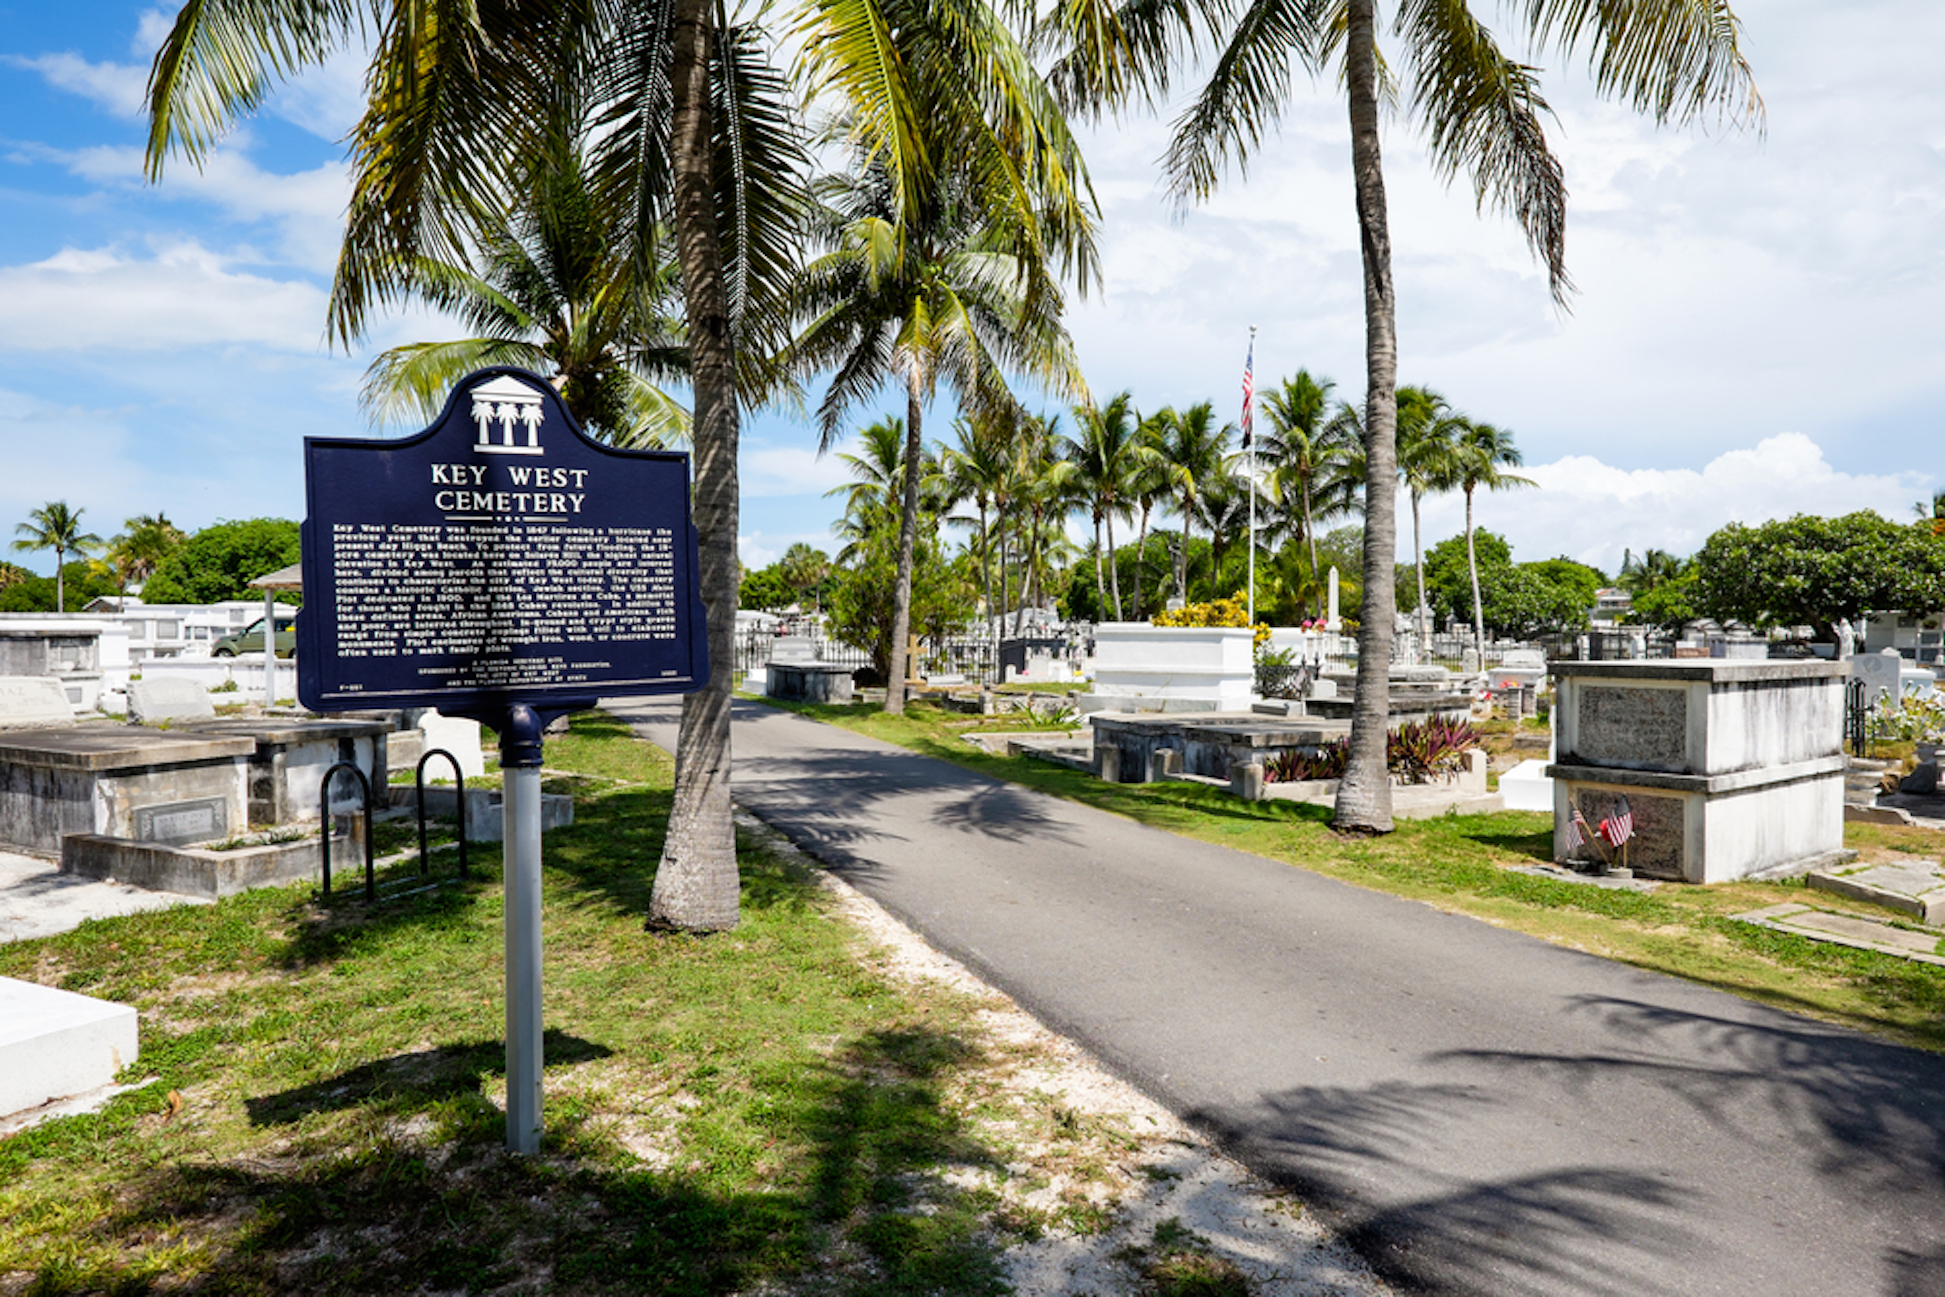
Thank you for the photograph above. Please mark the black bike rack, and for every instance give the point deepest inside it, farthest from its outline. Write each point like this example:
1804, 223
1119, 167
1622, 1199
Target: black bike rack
324, 814
459, 778
1857, 727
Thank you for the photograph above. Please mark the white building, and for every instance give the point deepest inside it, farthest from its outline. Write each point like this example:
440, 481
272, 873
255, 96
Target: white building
173, 630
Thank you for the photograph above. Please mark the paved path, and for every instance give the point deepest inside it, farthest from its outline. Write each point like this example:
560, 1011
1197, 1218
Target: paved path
1479, 1112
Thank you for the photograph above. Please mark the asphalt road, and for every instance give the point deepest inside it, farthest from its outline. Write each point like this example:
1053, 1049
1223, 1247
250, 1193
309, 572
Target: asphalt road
1477, 1112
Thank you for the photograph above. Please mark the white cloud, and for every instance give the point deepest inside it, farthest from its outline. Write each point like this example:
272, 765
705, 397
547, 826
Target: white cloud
790, 470
116, 87
307, 207
1592, 511
181, 296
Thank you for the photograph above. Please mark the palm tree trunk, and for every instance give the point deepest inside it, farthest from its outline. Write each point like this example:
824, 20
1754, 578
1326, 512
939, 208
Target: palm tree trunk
1472, 565
1114, 569
1364, 794
1309, 527
1182, 558
1141, 556
901, 593
60, 589
1100, 567
696, 887
986, 570
1420, 614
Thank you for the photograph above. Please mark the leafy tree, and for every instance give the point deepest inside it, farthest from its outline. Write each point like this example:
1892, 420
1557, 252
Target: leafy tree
83, 579
1481, 113
55, 526
220, 561
764, 589
1668, 604
863, 595
1810, 571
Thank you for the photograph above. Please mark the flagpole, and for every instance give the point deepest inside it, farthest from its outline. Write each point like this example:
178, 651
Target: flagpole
1249, 445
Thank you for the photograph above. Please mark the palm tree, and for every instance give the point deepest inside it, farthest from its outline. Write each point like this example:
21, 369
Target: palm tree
976, 469
1305, 446
697, 135
1106, 456
931, 298
1149, 488
55, 526
145, 541
1484, 452
1222, 503
560, 292
1191, 450
1482, 115
1046, 487
877, 477
1428, 461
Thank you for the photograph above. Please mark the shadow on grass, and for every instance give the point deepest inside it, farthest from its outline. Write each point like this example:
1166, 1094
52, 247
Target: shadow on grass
855, 1205
406, 1080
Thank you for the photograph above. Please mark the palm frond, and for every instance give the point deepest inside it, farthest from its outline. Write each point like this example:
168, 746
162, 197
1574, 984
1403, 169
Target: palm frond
1481, 112
1242, 100
1673, 59
410, 383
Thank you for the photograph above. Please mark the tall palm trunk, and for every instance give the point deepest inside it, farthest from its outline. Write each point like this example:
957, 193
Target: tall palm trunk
1100, 566
695, 884
60, 579
1420, 615
1141, 557
901, 594
1114, 569
1472, 566
1182, 563
1364, 795
986, 570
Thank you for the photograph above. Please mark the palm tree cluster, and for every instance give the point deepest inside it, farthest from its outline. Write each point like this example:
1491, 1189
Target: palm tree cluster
622, 193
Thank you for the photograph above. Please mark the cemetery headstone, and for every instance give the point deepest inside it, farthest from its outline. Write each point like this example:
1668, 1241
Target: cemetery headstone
1880, 674
33, 700
168, 698
457, 735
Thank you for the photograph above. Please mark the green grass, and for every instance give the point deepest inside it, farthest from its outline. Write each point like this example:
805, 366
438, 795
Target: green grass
1464, 864
766, 1108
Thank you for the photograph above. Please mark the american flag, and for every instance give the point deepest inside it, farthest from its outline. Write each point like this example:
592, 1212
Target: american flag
1249, 387
1577, 830
1618, 827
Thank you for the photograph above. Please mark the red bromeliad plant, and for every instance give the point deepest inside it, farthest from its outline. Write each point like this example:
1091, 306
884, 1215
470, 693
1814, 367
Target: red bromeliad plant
1417, 752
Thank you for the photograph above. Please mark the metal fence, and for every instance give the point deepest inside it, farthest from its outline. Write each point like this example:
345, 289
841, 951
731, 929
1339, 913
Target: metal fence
965, 655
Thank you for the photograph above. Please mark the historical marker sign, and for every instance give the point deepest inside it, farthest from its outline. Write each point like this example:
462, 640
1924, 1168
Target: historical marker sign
500, 556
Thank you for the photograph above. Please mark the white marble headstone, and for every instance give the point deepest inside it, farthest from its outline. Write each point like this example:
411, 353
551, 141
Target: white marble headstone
33, 700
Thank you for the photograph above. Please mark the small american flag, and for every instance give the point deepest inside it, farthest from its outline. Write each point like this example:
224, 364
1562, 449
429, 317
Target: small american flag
1577, 830
1618, 827
1249, 387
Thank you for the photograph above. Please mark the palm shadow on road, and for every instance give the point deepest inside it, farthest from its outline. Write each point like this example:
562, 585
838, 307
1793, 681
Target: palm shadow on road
1571, 1229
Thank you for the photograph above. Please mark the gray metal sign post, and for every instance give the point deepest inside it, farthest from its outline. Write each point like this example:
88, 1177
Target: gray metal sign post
520, 754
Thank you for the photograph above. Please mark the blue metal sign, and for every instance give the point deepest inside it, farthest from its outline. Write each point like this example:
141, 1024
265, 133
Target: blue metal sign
500, 557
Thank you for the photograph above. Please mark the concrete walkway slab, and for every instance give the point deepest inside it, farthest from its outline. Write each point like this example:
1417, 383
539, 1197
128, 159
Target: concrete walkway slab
38, 900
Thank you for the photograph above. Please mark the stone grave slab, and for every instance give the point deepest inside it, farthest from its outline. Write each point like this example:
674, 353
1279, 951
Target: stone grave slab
1913, 887
169, 698
95, 778
33, 701
54, 1044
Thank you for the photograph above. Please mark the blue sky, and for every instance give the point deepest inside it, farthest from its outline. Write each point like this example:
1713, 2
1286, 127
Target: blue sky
1758, 330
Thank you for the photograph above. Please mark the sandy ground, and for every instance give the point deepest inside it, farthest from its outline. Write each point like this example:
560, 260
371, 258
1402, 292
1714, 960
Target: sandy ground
1177, 1174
